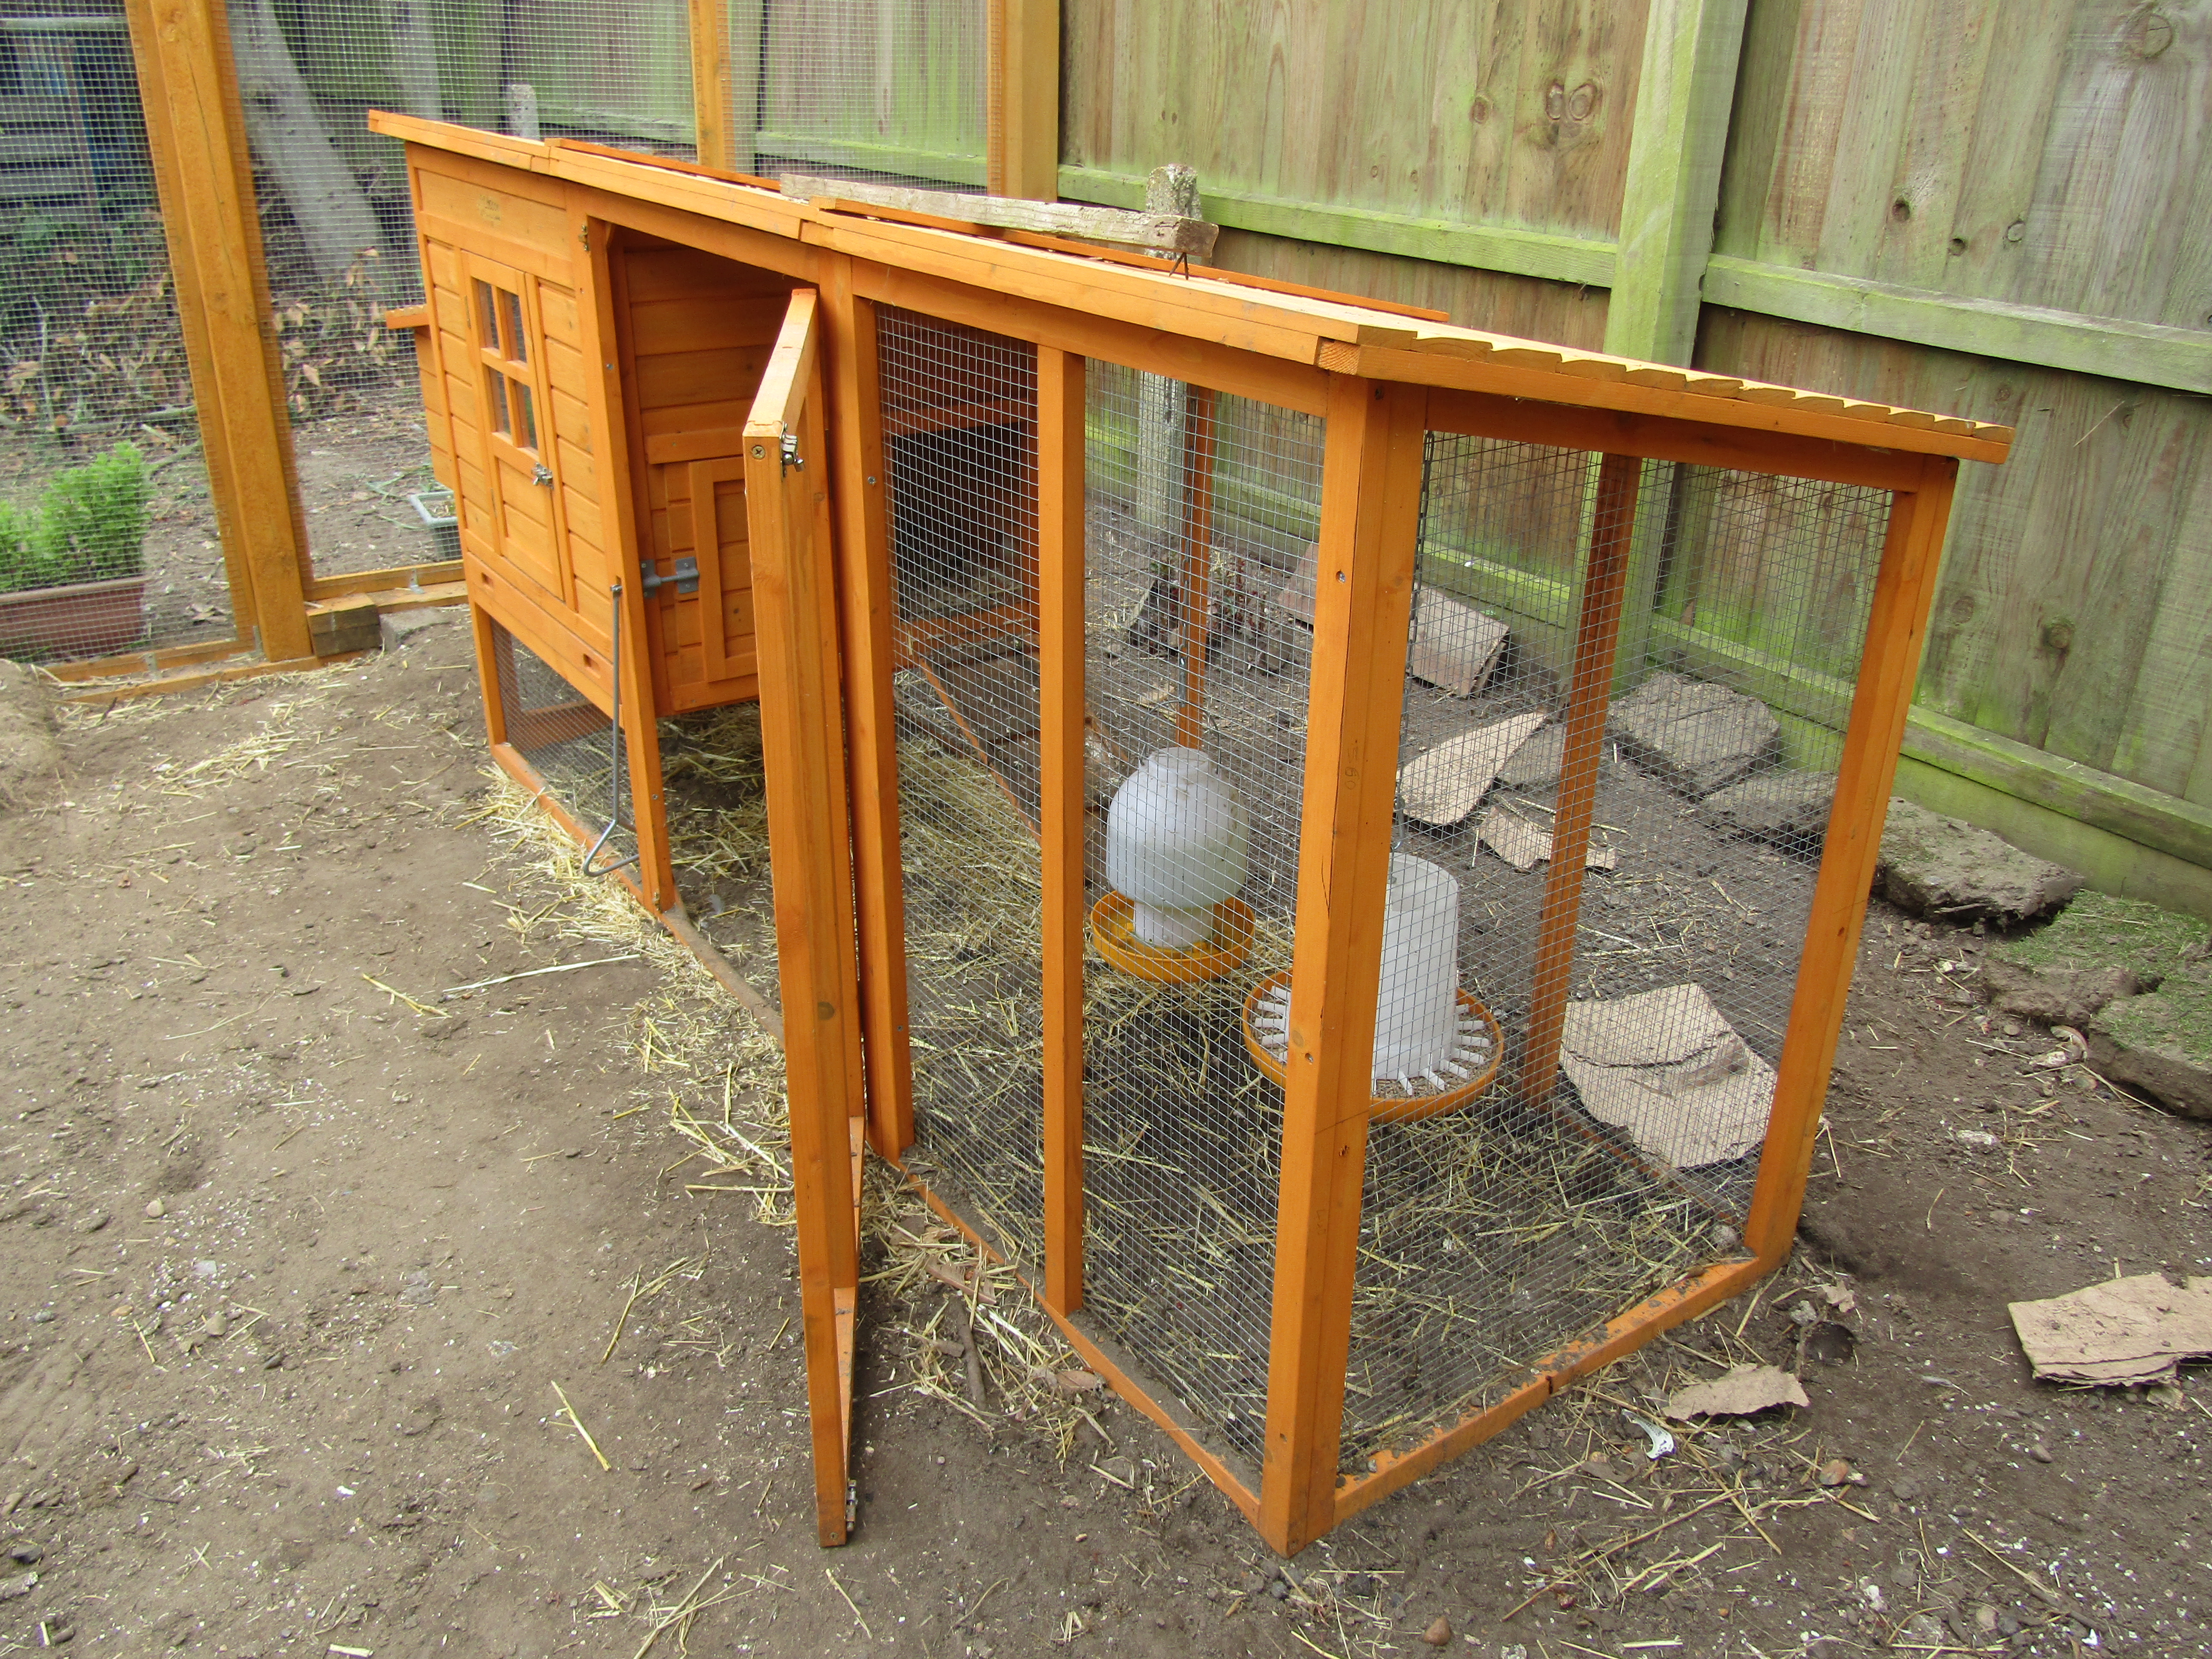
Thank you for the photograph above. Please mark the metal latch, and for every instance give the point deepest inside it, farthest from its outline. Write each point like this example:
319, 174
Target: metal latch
791, 456
542, 475
686, 577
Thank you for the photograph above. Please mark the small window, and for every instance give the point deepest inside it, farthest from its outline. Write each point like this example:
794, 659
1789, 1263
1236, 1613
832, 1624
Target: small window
487, 315
502, 420
525, 417
512, 340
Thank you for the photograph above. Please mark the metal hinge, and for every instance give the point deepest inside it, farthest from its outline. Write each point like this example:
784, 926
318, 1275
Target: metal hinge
686, 578
790, 456
584, 238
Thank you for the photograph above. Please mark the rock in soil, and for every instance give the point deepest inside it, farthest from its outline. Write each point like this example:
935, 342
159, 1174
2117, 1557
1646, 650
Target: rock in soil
1938, 867
1697, 736
2133, 979
30, 756
1789, 809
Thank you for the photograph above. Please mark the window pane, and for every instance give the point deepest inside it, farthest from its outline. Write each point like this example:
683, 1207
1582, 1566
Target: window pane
510, 332
502, 421
487, 316
525, 417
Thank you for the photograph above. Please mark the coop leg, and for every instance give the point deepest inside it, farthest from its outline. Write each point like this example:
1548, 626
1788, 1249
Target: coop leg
1597, 631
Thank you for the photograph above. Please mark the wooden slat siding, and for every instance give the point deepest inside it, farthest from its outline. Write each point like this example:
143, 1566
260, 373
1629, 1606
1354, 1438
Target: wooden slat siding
695, 386
196, 133
1686, 82
2099, 470
1328, 104
870, 618
800, 741
1370, 514
1895, 632
1597, 632
1062, 817
1978, 116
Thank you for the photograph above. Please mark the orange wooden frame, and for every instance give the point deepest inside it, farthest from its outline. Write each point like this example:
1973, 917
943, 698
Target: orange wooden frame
831, 641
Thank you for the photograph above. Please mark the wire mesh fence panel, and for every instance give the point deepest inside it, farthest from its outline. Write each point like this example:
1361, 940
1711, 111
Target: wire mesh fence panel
572, 744
337, 221
1201, 514
1597, 903
108, 542
959, 425
889, 90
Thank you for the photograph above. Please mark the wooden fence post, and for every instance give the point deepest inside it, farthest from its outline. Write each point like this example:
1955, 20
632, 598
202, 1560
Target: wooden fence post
196, 131
1022, 99
710, 81
1685, 92
1686, 89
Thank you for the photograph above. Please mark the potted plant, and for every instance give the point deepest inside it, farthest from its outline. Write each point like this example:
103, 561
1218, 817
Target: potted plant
73, 568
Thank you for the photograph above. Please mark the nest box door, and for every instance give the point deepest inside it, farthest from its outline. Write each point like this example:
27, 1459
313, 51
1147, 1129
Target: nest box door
508, 338
787, 484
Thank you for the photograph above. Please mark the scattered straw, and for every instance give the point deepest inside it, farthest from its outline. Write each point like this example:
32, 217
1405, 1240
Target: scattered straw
578, 1423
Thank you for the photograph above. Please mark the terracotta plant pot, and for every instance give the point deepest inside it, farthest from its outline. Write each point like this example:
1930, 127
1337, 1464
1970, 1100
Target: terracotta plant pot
84, 619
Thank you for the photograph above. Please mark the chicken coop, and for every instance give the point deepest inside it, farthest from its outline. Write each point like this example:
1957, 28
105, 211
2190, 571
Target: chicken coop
1333, 843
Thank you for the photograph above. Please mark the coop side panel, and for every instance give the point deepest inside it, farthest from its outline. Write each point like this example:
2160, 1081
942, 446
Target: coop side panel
695, 333
535, 557
1611, 829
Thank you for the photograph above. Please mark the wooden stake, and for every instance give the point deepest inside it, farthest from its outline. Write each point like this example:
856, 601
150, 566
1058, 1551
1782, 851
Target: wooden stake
1197, 580
1597, 631
1062, 819
710, 80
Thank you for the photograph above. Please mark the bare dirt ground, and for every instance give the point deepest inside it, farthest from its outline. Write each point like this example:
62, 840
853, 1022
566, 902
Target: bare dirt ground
295, 1247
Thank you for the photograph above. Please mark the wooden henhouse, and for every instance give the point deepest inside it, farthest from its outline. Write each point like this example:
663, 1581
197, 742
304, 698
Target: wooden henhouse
1333, 843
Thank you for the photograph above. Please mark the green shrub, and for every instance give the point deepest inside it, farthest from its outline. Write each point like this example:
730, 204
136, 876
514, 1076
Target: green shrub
89, 527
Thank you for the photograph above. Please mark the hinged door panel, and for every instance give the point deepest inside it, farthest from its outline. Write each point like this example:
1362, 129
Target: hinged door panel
810, 852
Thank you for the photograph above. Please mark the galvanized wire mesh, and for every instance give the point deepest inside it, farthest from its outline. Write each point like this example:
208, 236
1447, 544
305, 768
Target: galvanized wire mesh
107, 541
1200, 511
1496, 1229
882, 89
570, 742
959, 424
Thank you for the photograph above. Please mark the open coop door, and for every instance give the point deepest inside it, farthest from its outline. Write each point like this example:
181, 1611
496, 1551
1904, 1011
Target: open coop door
787, 484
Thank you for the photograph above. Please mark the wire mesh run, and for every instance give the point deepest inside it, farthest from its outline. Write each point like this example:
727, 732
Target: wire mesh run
571, 743
1616, 867
889, 90
959, 425
106, 540
1201, 510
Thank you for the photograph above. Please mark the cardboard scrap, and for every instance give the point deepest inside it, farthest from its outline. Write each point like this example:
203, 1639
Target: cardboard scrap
1738, 1392
1666, 1066
1441, 786
2122, 1331
1524, 847
1455, 646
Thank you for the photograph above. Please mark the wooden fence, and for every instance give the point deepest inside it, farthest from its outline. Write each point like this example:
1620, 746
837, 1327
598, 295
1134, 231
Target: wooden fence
1998, 210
